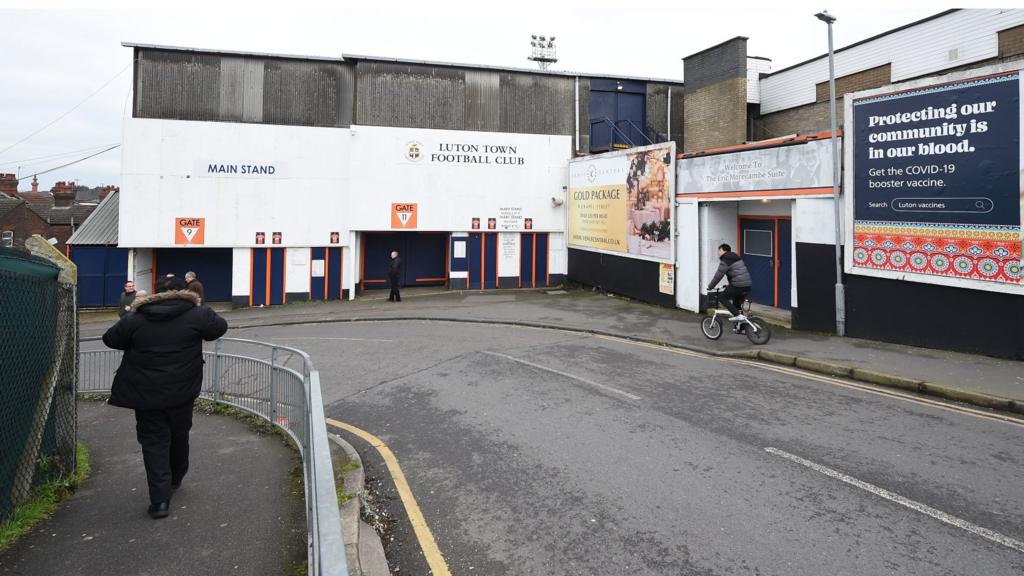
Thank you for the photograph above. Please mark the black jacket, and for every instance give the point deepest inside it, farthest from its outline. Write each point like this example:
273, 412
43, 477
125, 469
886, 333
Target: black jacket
162, 341
126, 302
396, 269
733, 268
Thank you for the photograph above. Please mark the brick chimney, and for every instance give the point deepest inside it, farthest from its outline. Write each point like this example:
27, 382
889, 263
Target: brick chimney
9, 184
35, 185
63, 194
106, 190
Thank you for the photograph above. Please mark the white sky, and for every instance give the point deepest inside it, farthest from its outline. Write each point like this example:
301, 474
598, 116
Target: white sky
53, 56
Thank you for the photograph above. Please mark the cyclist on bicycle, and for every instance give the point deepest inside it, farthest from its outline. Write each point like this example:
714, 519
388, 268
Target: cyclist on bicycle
731, 266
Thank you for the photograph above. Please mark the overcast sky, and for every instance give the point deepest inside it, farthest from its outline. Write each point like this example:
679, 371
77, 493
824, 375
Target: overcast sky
54, 57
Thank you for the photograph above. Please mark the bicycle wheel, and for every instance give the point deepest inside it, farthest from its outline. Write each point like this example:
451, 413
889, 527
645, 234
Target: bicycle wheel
711, 326
758, 331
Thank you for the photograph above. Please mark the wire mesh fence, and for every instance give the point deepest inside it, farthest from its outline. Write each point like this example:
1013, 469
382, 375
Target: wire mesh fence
38, 367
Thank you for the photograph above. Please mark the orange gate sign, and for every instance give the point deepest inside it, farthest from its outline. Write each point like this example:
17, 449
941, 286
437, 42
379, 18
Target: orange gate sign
403, 216
189, 230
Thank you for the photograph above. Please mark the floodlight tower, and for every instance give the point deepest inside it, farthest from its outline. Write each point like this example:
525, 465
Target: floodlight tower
543, 51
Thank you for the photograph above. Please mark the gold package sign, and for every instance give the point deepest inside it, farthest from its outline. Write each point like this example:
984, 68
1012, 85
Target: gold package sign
622, 202
597, 217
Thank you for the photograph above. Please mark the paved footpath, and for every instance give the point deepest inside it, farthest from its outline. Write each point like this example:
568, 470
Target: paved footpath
234, 514
975, 379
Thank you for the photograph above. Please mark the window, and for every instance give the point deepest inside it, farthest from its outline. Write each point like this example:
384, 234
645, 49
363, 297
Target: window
757, 243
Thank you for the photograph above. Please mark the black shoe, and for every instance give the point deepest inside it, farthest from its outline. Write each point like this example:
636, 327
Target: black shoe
160, 510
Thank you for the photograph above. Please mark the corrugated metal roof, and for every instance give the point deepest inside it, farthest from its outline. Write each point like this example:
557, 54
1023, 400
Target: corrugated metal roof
100, 228
228, 52
347, 57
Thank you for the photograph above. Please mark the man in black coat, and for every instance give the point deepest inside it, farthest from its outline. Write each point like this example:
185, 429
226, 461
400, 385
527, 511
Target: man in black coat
394, 274
127, 297
160, 377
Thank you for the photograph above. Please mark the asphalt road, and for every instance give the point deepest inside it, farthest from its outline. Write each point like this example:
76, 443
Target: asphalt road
543, 452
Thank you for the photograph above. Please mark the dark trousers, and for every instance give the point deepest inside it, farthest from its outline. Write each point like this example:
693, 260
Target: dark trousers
163, 435
394, 296
733, 297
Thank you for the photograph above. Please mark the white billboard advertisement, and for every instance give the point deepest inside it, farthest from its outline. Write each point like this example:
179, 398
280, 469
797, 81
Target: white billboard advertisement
621, 202
218, 184
793, 167
446, 180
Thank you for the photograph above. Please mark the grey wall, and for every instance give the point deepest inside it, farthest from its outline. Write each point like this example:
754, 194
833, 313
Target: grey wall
198, 86
451, 98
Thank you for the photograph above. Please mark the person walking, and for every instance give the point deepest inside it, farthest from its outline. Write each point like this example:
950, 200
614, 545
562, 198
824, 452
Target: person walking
732, 267
195, 285
394, 274
127, 297
160, 377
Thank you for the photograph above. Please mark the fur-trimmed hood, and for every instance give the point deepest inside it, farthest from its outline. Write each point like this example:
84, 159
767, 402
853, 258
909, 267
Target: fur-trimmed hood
164, 297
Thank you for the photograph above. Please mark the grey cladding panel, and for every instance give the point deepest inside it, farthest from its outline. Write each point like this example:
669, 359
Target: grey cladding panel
411, 96
208, 86
536, 104
241, 89
584, 146
483, 100
657, 107
678, 97
306, 93
177, 85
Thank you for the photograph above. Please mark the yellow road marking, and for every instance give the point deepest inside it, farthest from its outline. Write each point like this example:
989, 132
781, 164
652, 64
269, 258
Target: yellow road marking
833, 381
435, 560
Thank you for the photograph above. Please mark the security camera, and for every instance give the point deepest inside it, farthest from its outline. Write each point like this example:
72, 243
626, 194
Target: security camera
555, 201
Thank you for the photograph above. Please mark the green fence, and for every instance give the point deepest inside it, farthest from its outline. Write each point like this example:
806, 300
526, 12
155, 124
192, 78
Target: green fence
38, 368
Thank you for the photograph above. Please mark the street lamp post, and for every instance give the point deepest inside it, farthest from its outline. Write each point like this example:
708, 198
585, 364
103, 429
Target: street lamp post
836, 172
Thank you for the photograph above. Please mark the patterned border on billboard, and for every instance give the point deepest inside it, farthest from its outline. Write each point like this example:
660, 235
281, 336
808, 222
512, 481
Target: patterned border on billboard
991, 253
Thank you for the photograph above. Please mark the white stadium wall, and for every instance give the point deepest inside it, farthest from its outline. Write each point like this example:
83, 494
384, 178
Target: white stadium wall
173, 169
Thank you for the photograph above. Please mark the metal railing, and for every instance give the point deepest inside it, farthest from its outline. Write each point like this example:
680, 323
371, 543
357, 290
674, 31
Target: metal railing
280, 385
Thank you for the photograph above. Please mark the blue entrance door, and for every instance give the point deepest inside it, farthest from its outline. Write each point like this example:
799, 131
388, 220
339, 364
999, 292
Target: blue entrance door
757, 248
766, 248
482, 253
211, 265
617, 113
102, 271
423, 254
268, 276
533, 259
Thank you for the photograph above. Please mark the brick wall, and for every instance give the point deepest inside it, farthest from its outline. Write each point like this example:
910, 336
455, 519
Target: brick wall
24, 223
715, 100
863, 80
1011, 41
805, 119
715, 115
